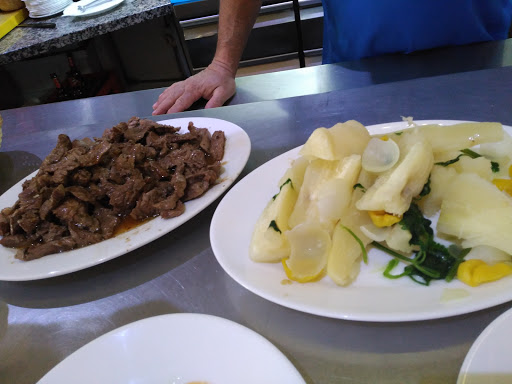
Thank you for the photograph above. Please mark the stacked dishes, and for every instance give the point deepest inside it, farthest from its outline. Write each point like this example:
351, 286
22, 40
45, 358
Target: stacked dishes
45, 8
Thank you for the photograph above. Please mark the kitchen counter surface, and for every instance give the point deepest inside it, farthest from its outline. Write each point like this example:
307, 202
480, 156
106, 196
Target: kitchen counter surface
23, 43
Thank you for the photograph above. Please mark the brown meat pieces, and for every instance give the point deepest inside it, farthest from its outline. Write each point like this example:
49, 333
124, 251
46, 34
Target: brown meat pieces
84, 188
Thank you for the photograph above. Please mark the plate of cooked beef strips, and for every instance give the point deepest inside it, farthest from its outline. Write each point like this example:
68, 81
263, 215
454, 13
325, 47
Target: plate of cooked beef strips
93, 200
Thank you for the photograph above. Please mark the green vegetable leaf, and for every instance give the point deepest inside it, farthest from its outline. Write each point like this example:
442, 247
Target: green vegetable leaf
363, 249
426, 189
274, 226
447, 163
495, 167
281, 187
433, 261
360, 186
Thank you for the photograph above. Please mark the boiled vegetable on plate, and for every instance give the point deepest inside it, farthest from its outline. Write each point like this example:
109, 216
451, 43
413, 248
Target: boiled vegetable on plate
349, 191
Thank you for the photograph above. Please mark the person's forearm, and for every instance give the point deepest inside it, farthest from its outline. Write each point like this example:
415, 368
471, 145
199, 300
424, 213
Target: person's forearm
236, 19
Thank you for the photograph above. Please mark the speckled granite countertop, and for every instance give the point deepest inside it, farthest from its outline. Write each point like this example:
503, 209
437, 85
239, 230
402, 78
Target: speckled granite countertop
22, 43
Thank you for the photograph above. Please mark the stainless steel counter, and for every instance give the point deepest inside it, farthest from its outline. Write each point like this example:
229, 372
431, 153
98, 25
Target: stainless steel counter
42, 322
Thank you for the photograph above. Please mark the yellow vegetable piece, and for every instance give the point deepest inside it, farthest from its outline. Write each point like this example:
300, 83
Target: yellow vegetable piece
504, 185
309, 248
510, 171
301, 279
474, 272
383, 219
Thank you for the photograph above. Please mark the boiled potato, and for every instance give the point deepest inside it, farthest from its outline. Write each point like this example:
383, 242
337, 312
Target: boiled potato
334, 195
337, 142
398, 239
481, 166
440, 178
349, 138
296, 172
268, 243
488, 254
344, 262
317, 172
393, 190
474, 210
326, 191
319, 145
460, 136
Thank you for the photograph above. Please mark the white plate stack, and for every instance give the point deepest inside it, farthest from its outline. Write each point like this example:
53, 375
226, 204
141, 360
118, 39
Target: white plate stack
45, 8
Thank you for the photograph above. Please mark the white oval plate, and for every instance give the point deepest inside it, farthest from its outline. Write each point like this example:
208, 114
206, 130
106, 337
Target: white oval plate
72, 9
177, 349
370, 298
236, 154
489, 358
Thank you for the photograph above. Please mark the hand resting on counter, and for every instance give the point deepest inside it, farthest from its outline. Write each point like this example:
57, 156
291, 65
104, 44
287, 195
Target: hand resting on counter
216, 84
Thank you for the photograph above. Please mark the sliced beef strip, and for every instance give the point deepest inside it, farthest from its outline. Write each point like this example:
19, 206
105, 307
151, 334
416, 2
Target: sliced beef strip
203, 135
218, 143
177, 211
81, 177
29, 221
116, 133
108, 221
55, 198
73, 212
37, 251
48, 231
137, 130
145, 206
63, 145
83, 237
179, 184
156, 141
15, 241
124, 197
4, 225
199, 183
81, 193
95, 154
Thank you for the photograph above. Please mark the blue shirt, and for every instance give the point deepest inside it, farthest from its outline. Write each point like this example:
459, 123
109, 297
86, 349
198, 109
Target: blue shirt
354, 29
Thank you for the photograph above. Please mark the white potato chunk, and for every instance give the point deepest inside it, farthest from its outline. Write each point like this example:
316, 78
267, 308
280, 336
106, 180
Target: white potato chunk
460, 136
481, 166
317, 172
393, 190
268, 243
296, 172
326, 191
488, 254
440, 178
344, 262
337, 142
398, 239
474, 210
349, 138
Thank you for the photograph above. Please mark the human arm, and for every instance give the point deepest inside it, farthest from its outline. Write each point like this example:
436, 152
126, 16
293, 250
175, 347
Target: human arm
217, 82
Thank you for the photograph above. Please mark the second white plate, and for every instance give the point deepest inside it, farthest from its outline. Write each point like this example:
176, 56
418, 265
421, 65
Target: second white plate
488, 360
182, 348
238, 148
371, 298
